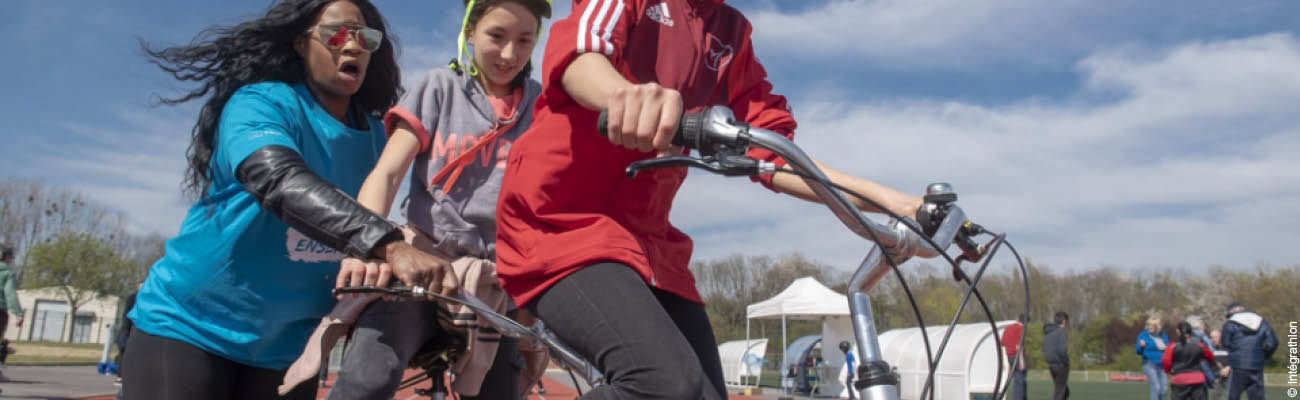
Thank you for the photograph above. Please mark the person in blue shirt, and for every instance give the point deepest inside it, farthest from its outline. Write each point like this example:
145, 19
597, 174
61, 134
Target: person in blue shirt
1151, 345
287, 134
849, 361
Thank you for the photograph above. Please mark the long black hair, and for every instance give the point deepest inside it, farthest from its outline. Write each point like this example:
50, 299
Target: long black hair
221, 59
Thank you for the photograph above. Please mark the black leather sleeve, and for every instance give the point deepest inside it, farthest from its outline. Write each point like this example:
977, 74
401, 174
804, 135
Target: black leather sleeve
281, 181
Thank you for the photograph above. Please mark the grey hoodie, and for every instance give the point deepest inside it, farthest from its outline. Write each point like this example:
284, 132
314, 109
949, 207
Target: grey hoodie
453, 115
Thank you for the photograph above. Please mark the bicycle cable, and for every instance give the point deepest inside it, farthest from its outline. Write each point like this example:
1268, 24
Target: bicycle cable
1024, 274
961, 309
930, 357
575, 382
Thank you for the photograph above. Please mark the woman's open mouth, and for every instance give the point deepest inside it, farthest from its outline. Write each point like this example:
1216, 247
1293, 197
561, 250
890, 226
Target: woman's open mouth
350, 71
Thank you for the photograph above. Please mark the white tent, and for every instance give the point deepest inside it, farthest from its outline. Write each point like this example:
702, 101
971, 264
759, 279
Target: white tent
741, 360
805, 299
969, 363
808, 299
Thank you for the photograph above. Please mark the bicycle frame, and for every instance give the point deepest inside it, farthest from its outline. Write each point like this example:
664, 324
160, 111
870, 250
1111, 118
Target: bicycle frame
509, 327
506, 326
896, 242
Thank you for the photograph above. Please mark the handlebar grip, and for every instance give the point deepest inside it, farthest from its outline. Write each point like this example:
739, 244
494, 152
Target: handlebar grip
690, 128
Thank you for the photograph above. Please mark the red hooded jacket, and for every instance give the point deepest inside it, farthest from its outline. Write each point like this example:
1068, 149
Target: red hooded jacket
565, 202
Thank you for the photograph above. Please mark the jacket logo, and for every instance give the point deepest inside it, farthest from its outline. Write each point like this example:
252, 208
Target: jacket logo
718, 54
303, 249
659, 13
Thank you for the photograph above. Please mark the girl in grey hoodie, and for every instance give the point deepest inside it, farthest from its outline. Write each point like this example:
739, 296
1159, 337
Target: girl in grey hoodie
457, 125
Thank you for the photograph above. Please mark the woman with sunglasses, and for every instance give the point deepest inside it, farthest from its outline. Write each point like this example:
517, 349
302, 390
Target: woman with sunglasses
286, 136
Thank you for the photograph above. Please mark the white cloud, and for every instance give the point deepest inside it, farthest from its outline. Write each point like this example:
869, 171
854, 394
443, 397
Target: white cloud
996, 34
910, 33
1189, 165
133, 163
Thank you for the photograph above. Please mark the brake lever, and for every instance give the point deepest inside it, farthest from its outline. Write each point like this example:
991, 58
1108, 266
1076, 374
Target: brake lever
970, 251
664, 162
721, 164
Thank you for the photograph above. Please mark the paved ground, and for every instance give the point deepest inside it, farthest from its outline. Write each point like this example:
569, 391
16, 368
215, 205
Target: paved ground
54, 383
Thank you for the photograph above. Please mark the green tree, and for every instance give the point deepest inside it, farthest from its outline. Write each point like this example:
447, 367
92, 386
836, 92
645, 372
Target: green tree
79, 266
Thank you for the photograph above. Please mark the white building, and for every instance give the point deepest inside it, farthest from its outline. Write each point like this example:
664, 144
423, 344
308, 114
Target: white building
46, 318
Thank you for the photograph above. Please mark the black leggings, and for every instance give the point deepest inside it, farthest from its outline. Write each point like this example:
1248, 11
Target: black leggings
650, 344
4, 343
163, 368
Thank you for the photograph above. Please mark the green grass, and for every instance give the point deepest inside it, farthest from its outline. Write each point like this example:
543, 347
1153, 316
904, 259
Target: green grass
1040, 387
88, 346
56, 353
50, 361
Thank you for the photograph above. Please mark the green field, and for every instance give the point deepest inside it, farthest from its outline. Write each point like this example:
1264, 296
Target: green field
54, 353
1042, 389
1083, 386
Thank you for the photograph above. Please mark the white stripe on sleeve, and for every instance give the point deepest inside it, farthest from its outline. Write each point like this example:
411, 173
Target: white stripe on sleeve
582, 26
607, 46
596, 43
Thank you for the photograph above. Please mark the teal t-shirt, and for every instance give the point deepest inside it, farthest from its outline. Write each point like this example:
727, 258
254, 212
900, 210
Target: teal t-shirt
236, 281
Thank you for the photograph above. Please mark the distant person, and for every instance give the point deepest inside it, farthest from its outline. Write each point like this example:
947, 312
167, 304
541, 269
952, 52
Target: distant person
9, 284
1151, 344
1199, 335
124, 328
848, 364
788, 382
122, 336
1011, 337
1220, 367
1055, 351
819, 366
1249, 341
1182, 361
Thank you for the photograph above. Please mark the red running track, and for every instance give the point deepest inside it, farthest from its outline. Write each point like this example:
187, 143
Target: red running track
554, 390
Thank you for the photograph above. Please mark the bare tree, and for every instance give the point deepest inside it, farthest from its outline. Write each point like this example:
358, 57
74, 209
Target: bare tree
32, 212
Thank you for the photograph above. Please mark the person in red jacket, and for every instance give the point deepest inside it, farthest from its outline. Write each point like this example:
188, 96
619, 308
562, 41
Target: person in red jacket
1011, 337
1182, 361
592, 252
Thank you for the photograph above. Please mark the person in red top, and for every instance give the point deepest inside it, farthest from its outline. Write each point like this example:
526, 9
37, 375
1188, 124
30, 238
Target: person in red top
590, 251
1182, 362
1011, 336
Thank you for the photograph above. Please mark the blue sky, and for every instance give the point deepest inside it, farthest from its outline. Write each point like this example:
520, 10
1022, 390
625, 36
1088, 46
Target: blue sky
1133, 134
